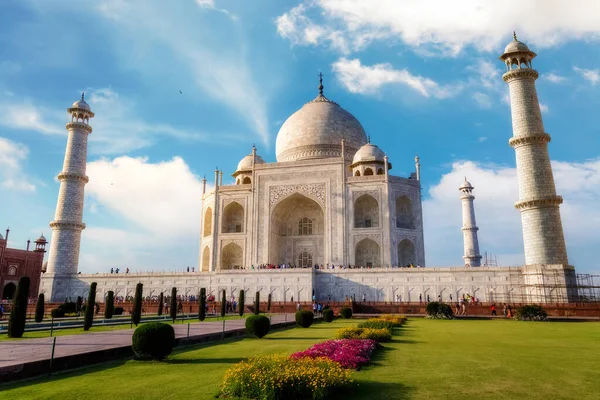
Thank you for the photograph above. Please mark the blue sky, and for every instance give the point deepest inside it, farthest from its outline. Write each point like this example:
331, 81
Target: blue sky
421, 79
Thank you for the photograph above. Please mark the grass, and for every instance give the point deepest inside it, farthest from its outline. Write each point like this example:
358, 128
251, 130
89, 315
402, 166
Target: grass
430, 359
102, 328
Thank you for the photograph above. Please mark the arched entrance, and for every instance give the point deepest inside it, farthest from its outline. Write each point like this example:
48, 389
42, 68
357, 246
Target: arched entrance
205, 259
9, 291
366, 212
233, 218
404, 213
207, 222
297, 231
367, 254
406, 253
232, 256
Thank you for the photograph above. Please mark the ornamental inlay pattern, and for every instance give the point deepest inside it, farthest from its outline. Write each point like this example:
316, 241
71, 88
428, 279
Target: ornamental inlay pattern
315, 191
374, 237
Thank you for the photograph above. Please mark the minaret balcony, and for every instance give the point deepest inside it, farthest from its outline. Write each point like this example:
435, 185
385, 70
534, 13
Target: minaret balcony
549, 201
79, 125
520, 73
64, 224
527, 140
63, 176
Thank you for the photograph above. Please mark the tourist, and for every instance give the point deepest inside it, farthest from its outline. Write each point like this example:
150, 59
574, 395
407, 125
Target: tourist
457, 308
315, 308
504, 310
127, 270
509, 315
439, 298
111, 271
420, 298
428, 298
450, 297
292, 299
117, 270
364, 297
464, 309
494, 309
188, 269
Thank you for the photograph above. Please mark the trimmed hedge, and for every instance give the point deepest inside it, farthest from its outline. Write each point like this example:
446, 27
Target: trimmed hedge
304, 318
173, 307
18, 313
136, 315
380, 335
70, 307
119, 311
39, 308
328, 315
258, 325
153, 341
161, 300
257, 303
109, 309
88, 318
202, 305
269, 303
375, 323
437, 310
531, 312
242, 303
57, 313
346, 312
223, 303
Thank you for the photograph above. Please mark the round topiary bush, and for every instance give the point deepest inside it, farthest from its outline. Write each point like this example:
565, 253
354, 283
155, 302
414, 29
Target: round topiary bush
304, 318
436, 310
118, 311
153, 341
346, 312
57, 313
328, 315
531, 312
258, 325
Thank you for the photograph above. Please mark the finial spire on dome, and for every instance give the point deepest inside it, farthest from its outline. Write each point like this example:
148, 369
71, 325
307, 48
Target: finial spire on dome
369, 139
515, 35
321, 83
82, 95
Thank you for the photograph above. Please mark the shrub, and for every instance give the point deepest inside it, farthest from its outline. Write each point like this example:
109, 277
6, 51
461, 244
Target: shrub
109, 308
161, 300
223, 303
258, 325
118, 311
349, 353
57, 313
173, 307
18, 313
88, 318
202, 305
328, 315
136, 314
242, 303
397, 320
269, 303
257, 303
379, 335
304, 318
70, 307
39, 308
531, 312
78, 304
437, 310
282, 377
346, 312
376, 323
154, 341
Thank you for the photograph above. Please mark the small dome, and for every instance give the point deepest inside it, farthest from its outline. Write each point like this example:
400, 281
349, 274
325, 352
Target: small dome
466, 185
515, 45
41, 239
368, 152
246, 162
81, 104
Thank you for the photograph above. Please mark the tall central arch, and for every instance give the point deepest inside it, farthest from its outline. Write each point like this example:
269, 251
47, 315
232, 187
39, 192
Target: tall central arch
297, 232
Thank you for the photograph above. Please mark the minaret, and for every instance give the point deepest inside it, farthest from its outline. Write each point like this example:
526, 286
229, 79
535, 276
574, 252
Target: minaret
63, 259
469, 228
538, 202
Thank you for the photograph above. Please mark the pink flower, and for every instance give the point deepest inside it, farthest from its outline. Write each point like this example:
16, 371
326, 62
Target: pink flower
349, 353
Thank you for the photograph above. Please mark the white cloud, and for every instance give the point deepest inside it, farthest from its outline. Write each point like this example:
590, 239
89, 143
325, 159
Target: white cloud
444, 28
554, 78
482, 99
482, 139
544, 108
29, 117
590, 75
210, 4
358, 78
500, 224
12, 177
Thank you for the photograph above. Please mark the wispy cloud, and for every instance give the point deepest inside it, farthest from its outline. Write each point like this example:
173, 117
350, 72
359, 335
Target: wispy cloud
544, 108
210, 5
24, 115
554, 78
12, 156
590, 75
482, 99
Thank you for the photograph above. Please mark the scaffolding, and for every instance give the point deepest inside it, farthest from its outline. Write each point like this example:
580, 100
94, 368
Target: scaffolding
489, 260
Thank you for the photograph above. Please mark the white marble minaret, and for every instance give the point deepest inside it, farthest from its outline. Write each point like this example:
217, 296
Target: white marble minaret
472, 257
67, 225
538, 202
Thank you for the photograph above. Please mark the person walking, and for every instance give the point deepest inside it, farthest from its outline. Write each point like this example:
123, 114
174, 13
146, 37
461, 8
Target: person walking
494, 309
505, 310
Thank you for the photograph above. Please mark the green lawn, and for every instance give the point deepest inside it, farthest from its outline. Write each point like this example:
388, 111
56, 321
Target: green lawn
429, 359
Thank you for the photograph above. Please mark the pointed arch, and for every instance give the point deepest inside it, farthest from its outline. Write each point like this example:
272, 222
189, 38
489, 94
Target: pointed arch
367, 254
406, 253
357, 172
9, 291
247, 181
368, 172
404, 213
232, 257
366, 212
205, 259
207, 222
233, 218
380, 171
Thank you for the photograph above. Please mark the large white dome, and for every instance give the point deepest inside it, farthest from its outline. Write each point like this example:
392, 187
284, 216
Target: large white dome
316, 131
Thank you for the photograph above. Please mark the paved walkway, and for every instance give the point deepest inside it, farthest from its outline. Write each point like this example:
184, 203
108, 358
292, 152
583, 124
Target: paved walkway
15, 352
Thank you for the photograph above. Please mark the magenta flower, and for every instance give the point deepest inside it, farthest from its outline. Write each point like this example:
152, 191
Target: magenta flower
349, 353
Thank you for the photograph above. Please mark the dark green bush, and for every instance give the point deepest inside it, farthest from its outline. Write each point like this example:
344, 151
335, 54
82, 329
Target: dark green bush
242, 303
257, 303
109, 308
39, 308
223, 303
78, 304
118, 311
136, 313
153, 341
328, 315
531, 312
57, 313
346, 312
258, 325
161, 300
304, 318
375, 323
173, 307
69, 307
437, 310
269, 303
88, 318
18, 313
202, 305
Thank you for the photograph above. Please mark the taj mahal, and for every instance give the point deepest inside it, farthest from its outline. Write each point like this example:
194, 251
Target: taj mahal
329, 218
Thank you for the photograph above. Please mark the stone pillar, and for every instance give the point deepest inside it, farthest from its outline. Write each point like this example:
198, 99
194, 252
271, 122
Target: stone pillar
538, 202
471, 255
63, 259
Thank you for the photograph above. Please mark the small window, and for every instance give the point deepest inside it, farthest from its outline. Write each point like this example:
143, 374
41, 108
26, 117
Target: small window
357, 173
305, 226
367, 223
12, 270
380, 171
369, 265
368, 172
305, 259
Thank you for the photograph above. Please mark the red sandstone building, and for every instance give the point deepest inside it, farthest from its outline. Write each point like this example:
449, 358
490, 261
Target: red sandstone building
16, 263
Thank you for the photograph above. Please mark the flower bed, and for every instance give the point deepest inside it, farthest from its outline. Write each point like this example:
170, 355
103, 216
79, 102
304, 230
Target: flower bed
379, 335
282, 377
376, 323
397, 320
349, 353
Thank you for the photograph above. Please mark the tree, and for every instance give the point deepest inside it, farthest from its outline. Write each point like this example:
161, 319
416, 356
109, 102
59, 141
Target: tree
223, 303
18, 313
161, 300
257, 303
136, 315
39, 308
242, 304
269, 303
202, 305
173, 308
88, 318
109, 308
78, 304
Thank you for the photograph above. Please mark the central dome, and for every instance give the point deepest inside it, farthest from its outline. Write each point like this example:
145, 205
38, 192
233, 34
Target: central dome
316, 131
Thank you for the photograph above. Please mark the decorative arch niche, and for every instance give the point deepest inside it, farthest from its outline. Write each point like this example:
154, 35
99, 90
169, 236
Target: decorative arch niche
205, 259
367, 253
207, 222
366, 212
233, 218
404, 213
232, 257
406, 253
